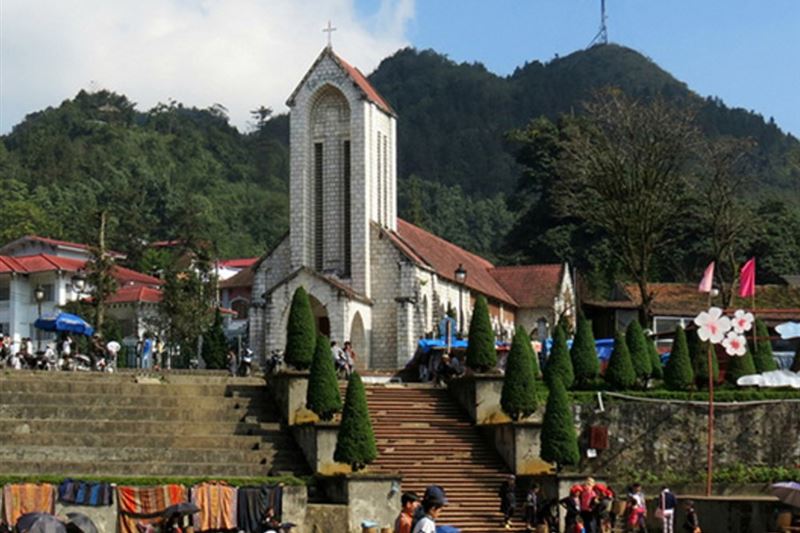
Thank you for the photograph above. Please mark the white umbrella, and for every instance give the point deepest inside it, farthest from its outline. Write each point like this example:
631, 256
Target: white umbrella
788, 492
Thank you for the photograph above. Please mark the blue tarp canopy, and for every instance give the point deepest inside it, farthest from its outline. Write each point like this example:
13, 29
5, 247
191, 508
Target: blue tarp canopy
604, 347
64, 322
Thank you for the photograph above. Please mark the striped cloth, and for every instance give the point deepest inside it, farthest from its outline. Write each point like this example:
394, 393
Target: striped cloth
24, 498
142, 505
217, 503
77, 492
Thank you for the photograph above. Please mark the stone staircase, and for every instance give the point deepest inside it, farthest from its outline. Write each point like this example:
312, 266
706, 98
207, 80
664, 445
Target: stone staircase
423, 434
200, 424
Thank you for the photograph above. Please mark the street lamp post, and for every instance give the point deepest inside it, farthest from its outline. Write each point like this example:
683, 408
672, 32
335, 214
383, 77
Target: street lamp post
38, 295
461, 278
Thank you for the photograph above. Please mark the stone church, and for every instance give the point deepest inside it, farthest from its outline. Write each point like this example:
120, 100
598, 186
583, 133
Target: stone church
373, 278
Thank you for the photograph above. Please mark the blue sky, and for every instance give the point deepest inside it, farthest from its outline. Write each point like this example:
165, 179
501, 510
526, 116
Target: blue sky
247, 53
745, 51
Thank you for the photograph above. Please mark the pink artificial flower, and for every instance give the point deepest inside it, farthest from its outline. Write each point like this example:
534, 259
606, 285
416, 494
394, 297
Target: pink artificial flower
742, 321
735, 344
712, 325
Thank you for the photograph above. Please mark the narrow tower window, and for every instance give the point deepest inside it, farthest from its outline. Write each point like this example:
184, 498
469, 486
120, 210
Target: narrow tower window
318, 218
347, 215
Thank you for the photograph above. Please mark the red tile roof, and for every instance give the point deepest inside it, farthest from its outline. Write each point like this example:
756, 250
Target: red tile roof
135, 294
55, 242
237, 263
127, 276
243, 278
532, 286
444, 257
365, 86
30, 264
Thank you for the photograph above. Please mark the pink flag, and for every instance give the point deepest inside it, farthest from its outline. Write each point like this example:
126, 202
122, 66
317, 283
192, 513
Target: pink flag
708, 279
747, 279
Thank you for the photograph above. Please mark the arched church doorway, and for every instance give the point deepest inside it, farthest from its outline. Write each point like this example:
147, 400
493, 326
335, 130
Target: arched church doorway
320, 316
358, 337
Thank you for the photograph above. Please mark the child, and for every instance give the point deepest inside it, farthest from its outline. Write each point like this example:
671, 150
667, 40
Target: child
578, 526
692, 523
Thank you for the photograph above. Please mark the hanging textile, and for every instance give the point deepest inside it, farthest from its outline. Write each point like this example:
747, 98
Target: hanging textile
253, 503
24, 498
217, 503
77, 492
143, 505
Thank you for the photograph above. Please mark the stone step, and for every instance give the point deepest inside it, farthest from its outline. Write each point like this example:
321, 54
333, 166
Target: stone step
157, 441
76, 469
186, 412
140, 427
122, 375
131, 400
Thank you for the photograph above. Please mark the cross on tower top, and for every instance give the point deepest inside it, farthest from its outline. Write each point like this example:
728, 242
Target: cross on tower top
329, 30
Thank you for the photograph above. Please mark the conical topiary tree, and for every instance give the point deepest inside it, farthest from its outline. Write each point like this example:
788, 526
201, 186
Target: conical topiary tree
583, 354
323, 395
739, 366
481, 350
301, 336
620, 373
762, 355
655, 360
355, 444
215, 346
698, 353
518, 398
678, 374
637, 347
559, 362
559, 441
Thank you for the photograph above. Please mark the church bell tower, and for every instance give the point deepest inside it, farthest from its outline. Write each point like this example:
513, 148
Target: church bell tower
343, 170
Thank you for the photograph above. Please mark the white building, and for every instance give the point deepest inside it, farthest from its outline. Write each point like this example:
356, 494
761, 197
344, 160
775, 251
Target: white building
373, 278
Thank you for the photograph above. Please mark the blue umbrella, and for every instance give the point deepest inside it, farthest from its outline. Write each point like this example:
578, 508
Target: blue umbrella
64, 322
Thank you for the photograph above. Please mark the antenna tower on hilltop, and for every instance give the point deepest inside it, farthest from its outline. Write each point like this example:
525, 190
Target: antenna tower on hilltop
602, 35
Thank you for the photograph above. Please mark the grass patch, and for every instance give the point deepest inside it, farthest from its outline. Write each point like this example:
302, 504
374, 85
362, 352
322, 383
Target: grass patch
737, 474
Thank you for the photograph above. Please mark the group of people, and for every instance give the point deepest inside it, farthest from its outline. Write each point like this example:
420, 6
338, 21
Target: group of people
344, 358
419, 516
61, 355
589, 509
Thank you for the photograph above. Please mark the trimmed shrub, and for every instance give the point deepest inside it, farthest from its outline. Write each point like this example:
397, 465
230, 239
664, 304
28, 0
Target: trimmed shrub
559, 363
637, 347
762, 356
655, 360
740, 366
301, 332
559, 442
355, 444
518, 398
481, 350
583, 354
323, 390
215, 346
678, 374
620, 373
698, 353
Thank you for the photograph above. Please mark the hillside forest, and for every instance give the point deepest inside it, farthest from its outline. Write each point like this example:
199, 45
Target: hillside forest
486, 161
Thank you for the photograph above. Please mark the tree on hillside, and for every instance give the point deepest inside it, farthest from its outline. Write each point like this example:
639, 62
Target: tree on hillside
518, 398
355, 444
637, 347
301, 332
559, 363
481, 350
624, 171
620, 373
739, 366
584, 353
698, 353
323, 395
762, 354
215, 346
559, 441
678, 374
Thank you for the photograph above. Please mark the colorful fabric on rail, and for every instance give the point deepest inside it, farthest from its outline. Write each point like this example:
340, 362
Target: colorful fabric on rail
142, 505
253, 504
217, 503
24, 498
77, 492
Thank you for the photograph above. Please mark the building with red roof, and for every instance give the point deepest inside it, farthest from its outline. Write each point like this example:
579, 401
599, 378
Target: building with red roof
373, 279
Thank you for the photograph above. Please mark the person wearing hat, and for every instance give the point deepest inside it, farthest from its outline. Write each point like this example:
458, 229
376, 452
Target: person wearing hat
432, 504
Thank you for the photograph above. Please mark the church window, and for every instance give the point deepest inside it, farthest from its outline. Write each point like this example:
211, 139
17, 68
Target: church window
386, 180
347, 214
318, 219
379, 180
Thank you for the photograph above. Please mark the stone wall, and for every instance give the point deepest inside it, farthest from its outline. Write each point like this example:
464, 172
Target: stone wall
658, 436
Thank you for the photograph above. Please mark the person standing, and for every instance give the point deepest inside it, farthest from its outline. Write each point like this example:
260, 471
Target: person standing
667, 502
350, 354
572, 505
588, 499
410, 502
147, 352
508, 500
692, 522
532, 505
232, 363
432, 503
640, 507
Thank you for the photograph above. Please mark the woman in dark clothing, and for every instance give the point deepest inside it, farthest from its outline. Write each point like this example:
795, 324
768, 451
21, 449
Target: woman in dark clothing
508, 500
692, 523
572, 506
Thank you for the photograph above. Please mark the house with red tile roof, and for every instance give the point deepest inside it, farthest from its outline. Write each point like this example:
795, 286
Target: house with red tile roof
374, 279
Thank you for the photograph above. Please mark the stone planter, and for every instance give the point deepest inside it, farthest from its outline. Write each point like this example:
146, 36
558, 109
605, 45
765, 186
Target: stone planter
288, 390
519, 445
369, 496
318, 442
480, 395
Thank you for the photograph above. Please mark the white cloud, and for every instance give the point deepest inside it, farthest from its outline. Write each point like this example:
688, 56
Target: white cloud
238, 53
